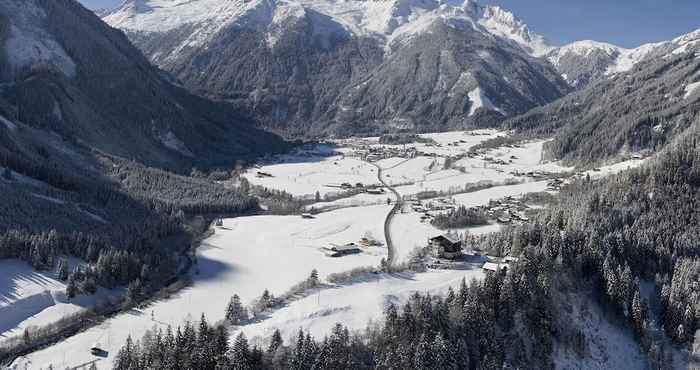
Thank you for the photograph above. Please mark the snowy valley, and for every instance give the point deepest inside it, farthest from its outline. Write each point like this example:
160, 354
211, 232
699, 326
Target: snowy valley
345, 185
245, 256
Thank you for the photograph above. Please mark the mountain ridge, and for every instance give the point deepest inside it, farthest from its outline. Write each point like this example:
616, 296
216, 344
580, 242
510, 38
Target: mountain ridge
638, 110
76, 87
308, 68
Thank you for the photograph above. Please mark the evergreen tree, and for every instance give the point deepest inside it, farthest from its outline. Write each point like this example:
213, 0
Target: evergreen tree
442, 356
126, 357
62, 270
297, 359
256, 359
422, 357
638, 315
71, 286
275, 342
240, 354
235, 312
313, 280
221, 341
206, 355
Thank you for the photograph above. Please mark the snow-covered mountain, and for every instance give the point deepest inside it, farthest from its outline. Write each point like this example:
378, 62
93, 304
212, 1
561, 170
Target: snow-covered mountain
583, 62
63, 71
641, 100
387, 21
313, 65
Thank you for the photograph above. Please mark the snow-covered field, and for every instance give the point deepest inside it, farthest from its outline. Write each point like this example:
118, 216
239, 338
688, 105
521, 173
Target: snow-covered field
614, 168
314, 175
244, 257
362, 199
356, 304
482, 197
31, 298
526, 157
455, 181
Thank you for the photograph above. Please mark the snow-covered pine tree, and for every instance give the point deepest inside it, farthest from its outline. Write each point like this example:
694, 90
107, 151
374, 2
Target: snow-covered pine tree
422, 357
62, 270
235, 312
240, 354
275, 342
296, 360
71, 286
442, 356
313, 279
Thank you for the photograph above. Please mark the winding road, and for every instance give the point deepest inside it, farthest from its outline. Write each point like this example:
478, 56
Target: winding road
387, 222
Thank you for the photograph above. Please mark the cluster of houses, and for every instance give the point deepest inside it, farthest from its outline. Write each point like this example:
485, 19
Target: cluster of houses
506, 210
434, 205
537, 175
375, 153
370, 189
499, 160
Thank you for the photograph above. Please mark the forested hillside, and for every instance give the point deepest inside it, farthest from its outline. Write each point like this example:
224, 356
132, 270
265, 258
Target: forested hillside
89, 131
66, 72
642, 109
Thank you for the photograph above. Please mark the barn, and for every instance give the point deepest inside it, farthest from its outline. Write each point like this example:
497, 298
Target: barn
335, 250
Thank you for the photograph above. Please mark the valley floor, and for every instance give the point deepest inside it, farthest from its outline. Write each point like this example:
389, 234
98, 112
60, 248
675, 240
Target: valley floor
250, 254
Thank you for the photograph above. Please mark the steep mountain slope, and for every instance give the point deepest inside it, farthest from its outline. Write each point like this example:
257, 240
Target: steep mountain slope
79, 105
308, 66
584, 62
636, 110
65, 72
88, 128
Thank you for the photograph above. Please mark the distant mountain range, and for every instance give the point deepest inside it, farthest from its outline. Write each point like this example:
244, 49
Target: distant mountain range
310, 67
